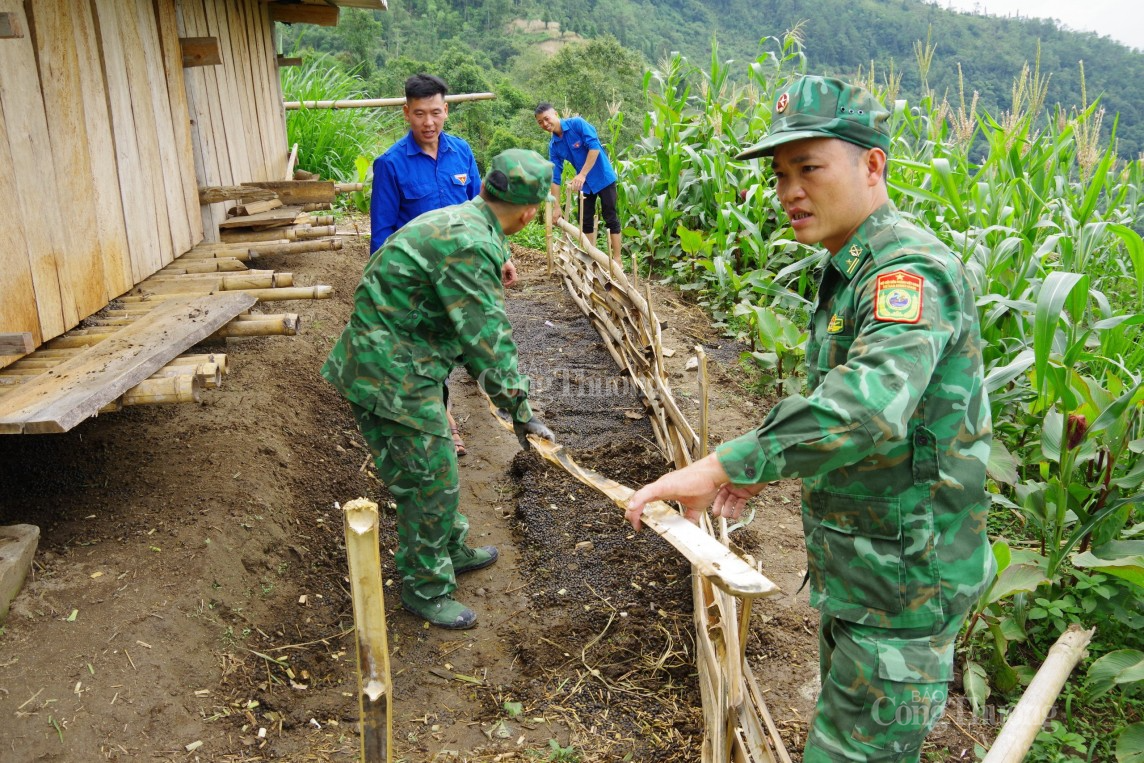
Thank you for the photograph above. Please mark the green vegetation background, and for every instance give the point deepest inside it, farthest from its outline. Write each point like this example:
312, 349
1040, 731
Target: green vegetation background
466, 42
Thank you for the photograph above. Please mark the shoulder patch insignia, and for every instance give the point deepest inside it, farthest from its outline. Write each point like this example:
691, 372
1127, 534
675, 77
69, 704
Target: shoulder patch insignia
836, 324
898, 297
461, 179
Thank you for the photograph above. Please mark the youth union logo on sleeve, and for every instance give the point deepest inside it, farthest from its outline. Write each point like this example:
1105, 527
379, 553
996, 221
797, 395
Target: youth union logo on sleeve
898, 297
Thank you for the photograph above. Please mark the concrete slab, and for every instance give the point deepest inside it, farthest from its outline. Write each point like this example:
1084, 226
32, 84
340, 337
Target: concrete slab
17, 547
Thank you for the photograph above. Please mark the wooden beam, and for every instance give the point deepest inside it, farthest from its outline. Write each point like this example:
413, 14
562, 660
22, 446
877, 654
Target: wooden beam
200, 51
16, 344
213, 194
288, 61
10, 26
299, 191
319, 15
80, 387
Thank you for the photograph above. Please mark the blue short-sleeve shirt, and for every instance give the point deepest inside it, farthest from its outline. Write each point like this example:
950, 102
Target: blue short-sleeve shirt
577, 140
407, 182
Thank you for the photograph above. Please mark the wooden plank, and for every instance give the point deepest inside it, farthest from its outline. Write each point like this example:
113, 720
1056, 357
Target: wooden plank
61, 80
180, 117
240, 20
231, 101
18, 311
17, 344
111, 229
288, 61
238, 69
10, 28
279, 217
299, 191
202, 130
275, 135
138, 213
168, 173
199, 51
319, 15
78, 388
33, 171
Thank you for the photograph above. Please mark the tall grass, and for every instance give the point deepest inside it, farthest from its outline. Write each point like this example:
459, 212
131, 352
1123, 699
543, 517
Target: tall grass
1046, 220
331, 141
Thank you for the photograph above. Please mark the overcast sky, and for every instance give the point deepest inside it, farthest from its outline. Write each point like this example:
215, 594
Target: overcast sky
1122, 20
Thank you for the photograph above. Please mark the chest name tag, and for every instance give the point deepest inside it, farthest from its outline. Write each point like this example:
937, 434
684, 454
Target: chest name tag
461, 179
836, 324
898, 297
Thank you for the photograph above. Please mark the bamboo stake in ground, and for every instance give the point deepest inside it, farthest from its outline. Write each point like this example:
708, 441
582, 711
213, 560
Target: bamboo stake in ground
375, 687
1028, 717
699, 353
548, 235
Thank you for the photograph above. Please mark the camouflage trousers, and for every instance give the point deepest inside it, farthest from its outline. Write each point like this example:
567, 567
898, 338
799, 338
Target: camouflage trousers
420, 470
882, 690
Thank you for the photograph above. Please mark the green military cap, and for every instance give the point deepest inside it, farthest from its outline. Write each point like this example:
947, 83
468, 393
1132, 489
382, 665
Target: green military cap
519, 176
824, 107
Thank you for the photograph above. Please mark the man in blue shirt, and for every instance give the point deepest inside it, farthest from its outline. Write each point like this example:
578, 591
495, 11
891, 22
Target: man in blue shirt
427, 169
575, 141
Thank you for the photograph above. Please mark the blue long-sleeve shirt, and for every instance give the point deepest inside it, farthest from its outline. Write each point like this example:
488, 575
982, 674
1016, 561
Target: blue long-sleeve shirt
407, 182
577, 139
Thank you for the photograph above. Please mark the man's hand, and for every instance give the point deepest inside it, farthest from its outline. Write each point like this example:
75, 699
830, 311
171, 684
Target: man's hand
508, 274
696, 486
577, 183
532, 426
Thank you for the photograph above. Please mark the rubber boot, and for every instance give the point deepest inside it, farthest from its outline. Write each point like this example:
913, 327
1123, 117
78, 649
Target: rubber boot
469, 559
442, 611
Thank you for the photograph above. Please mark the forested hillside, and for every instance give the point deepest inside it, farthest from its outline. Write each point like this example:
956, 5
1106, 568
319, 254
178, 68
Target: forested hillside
470, 42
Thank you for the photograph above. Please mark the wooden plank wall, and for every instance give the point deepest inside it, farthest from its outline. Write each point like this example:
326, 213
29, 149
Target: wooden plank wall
95, 157
238, 122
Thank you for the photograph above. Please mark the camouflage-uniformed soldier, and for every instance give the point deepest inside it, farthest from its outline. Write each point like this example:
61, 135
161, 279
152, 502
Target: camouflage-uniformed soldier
891, 442
430, 296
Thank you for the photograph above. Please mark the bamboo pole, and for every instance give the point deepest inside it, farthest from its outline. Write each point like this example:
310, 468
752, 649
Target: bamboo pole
213, 265
285, 324
317, 206
315, 231
218, 252
703, 386
270, 234
375, 685
263, 295
376, 103
297, 247
209, 374
168, 389
290, 162
548, 235
347, 188
1028, 717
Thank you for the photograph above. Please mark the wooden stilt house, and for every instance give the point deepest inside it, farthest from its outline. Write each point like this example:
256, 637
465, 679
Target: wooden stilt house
114, 115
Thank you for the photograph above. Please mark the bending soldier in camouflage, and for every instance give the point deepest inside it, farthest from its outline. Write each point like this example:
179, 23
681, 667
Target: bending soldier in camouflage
430, 296
891, 442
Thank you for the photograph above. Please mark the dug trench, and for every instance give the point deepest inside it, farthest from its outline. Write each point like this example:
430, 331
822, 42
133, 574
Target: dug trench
189, 599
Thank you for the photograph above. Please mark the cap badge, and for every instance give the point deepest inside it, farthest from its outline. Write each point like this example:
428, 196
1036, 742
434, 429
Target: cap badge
782, 103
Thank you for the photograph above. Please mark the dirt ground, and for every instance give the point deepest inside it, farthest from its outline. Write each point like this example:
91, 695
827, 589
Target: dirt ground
189, 599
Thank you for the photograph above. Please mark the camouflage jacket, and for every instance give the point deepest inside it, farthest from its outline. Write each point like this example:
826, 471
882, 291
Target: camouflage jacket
892, 440
429, 299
